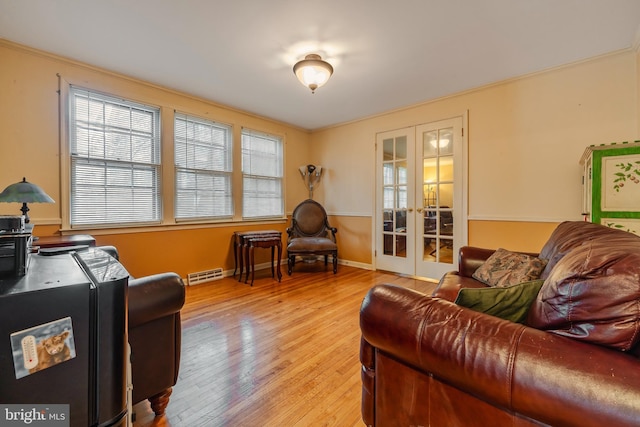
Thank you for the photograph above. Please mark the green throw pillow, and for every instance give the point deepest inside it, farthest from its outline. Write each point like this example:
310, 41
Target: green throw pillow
509, 302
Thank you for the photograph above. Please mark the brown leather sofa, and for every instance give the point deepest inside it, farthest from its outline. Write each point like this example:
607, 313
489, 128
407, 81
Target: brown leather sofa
154, 335
429, 362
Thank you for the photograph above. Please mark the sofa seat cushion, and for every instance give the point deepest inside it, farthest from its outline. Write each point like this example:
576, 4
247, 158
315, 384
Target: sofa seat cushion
506, 268
593, 292
508, 302
311, 244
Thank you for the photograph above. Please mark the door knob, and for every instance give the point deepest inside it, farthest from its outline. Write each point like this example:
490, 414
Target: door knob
410, 210
419, 210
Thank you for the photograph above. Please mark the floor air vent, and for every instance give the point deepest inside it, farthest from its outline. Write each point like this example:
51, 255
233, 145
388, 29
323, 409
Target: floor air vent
204, 276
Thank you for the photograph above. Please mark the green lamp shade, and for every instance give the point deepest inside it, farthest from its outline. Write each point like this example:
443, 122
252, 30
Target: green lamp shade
25, 192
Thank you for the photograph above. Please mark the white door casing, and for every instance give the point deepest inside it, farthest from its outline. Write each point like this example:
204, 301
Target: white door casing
421, 210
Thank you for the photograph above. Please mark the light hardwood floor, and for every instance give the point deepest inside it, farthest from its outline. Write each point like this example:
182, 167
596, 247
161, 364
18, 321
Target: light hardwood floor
275, 354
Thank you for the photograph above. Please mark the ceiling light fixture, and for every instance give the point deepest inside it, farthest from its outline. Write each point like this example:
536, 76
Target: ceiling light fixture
312, 71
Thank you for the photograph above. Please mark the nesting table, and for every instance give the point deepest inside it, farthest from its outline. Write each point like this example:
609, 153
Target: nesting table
272, 242
245, 243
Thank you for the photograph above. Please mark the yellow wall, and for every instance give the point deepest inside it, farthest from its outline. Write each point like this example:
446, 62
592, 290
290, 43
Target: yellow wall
29, 125
525, 139
353, 235
523, 236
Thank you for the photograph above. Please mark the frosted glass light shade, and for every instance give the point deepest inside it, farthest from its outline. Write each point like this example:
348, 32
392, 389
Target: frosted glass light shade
313, 72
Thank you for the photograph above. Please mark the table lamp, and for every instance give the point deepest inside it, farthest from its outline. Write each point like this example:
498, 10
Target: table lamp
25, 192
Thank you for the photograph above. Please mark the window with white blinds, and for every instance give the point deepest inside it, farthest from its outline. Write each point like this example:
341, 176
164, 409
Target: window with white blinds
262, 175
203, 168
115, 160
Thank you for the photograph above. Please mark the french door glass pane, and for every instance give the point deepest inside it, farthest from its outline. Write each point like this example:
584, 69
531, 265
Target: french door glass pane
445, 195
430, 144
388, 244
387, 174
401, 148
387, 149
401, 197
395, 183
445, 169
401, 172
401, 246
437, 149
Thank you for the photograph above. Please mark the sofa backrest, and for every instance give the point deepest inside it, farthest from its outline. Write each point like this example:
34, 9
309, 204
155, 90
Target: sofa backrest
569, 235
592, 285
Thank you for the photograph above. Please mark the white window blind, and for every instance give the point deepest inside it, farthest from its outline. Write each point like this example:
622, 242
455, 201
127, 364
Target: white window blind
115, 160
203, 168
262, 170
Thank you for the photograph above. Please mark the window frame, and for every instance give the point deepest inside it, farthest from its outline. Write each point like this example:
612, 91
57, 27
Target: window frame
166, 174
278, 177
211, 172
110, 163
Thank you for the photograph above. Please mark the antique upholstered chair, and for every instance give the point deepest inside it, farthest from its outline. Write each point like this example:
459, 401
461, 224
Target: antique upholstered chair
311, 235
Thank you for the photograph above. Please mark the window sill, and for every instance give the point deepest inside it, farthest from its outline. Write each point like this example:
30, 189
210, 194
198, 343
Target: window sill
150, 228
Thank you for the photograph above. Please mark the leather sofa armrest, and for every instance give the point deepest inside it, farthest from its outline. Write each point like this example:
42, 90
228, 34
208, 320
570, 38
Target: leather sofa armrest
543, 376
368, 374
451, 283
154, 296
464, 348
470, 258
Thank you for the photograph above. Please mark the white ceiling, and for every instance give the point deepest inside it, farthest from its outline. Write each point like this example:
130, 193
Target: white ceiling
386, 54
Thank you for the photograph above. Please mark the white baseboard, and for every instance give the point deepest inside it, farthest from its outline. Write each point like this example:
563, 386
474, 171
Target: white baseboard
265, 265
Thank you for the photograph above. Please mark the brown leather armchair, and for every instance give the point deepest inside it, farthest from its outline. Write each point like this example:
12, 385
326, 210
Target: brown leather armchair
311, 235
155, 335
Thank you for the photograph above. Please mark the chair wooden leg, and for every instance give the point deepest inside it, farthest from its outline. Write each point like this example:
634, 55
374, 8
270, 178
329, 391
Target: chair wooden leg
160, 401
279, 262
335, 263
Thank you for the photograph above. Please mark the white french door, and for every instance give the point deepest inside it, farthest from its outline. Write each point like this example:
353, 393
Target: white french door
420, 198
395, 223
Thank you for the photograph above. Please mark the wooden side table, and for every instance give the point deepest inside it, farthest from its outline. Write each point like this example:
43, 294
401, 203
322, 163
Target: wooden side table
241, 248
264, 242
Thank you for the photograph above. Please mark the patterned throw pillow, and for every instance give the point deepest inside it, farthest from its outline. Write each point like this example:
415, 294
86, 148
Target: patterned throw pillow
505, 268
